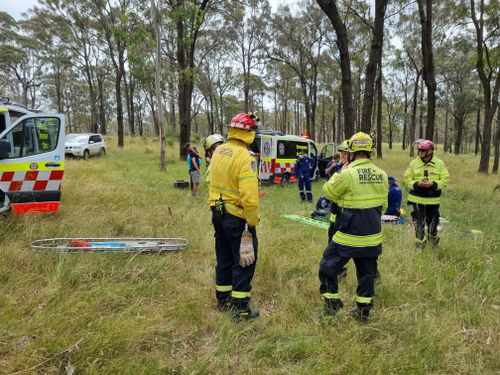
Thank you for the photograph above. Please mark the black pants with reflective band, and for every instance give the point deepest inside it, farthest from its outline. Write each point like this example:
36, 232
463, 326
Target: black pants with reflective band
332, 264
425, 214
228, 272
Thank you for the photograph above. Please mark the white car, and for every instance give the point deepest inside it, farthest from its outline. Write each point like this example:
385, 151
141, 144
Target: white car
85, 145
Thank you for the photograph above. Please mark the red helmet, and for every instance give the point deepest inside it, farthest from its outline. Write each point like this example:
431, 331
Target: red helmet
244, 121
426, 145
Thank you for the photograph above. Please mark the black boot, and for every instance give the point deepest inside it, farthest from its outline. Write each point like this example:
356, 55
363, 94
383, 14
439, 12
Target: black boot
332, 306
244, 313
224, 304
360, 314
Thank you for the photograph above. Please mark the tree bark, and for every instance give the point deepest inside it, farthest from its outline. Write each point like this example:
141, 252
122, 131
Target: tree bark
379, 113
374, 59
497, 147
414, 114
425, 13
490, 98
330, 9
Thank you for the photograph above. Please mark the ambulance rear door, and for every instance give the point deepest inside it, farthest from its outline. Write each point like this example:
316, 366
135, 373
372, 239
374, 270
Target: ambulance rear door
266, 157
32, 170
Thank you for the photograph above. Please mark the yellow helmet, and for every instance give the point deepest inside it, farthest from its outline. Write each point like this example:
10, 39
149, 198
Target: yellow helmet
360, 142
344, 146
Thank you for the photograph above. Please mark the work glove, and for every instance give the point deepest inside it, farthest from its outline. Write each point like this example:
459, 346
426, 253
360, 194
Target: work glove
247, 253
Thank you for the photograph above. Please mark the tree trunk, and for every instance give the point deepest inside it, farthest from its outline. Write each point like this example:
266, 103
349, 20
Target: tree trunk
339, 121
374, 58
425, 13
478, 131
497, 147
330, 9
421, 114
379, 113
414, 114
459, 126
445, 142
102, 106
490, 99
405, 120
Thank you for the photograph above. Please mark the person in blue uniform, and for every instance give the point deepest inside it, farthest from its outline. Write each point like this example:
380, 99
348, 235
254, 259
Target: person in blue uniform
394, 198
303, 166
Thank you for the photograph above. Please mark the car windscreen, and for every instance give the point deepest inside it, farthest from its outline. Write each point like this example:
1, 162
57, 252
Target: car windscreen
77, 138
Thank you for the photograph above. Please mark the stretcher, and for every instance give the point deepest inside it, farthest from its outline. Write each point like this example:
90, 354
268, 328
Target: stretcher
106, 245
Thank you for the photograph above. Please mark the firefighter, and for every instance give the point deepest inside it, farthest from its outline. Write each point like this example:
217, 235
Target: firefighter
210, 144
334, 208
361, 193
426, 177
303, 166
234, 201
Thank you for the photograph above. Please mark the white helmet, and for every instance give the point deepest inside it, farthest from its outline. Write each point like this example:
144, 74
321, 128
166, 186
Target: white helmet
211, 140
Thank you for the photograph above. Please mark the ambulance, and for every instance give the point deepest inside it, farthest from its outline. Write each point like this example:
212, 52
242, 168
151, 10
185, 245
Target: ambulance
277, 155
31, 159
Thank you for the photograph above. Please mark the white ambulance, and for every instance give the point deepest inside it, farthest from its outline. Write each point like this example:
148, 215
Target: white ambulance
278, 153
31, 159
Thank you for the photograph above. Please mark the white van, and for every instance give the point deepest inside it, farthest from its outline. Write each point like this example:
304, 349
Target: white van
31, 159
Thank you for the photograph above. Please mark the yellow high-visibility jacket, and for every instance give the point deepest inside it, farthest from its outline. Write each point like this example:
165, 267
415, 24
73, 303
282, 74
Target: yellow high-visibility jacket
233, 176
438, 174
361, 191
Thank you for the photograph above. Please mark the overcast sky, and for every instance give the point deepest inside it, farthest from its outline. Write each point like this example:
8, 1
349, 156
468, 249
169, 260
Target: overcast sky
16, 7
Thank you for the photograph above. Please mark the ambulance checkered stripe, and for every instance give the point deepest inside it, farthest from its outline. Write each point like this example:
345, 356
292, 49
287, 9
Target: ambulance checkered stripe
31, 181
284, 167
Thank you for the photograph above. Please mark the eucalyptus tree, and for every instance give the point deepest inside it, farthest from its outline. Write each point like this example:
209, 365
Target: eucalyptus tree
332, 11
20, 58
300, 41
78, 33
216, 77
187, 17
247, 27
485, 18
455, 59
113, 20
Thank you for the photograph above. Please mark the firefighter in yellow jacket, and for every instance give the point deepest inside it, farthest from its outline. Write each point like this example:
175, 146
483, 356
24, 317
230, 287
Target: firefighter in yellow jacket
234, 201
360, 191
426, 177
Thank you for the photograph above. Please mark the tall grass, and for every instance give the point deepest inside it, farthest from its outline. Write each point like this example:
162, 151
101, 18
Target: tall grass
436, 311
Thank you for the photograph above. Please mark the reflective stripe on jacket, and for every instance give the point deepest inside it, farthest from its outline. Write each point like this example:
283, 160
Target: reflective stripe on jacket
361, 191
233, 175
437, 173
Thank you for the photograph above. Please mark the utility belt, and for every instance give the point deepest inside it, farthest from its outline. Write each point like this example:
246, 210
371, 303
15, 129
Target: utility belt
219, 208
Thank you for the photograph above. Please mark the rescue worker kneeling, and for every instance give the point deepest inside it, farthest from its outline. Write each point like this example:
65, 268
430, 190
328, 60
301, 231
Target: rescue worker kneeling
234, 201
360, 191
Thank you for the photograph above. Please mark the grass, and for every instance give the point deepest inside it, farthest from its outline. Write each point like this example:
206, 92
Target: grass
436, 312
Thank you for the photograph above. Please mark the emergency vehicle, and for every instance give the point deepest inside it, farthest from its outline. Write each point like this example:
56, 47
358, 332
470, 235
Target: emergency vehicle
31, 159
278, 153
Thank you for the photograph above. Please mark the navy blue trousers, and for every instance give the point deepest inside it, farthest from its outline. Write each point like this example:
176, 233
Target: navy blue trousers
332, 264
228, 230
305, 180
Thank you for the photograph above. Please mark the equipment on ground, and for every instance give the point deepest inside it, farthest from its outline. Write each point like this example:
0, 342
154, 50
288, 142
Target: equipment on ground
302, 219
107, 245
181, 184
